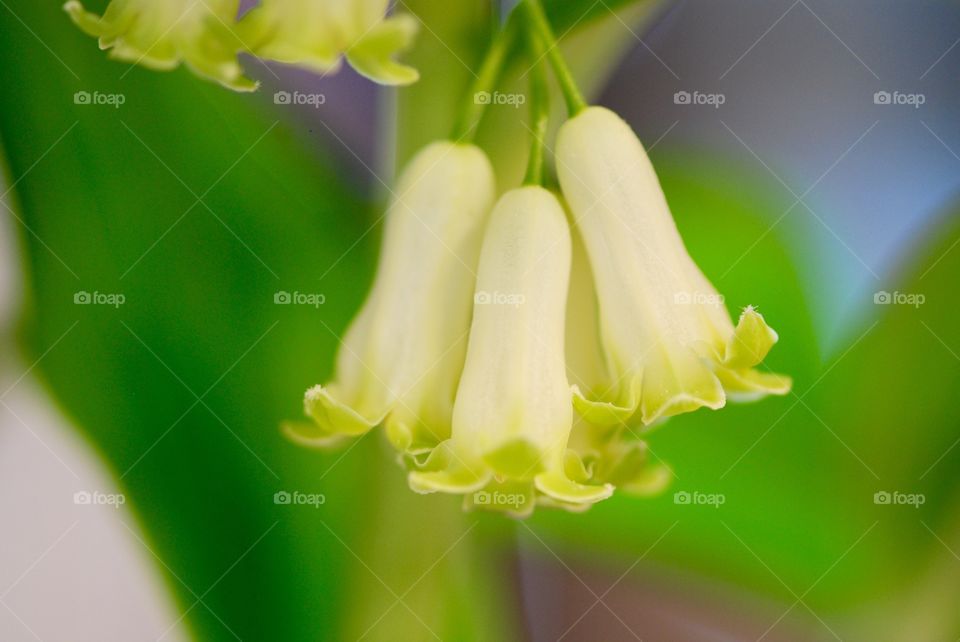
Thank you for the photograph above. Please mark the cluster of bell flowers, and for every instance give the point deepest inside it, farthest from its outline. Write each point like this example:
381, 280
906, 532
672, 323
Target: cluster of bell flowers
207, 36
514, 349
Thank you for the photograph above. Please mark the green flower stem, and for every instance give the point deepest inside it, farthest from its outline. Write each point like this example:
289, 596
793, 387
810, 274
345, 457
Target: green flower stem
465, 127
539, 110
571, 92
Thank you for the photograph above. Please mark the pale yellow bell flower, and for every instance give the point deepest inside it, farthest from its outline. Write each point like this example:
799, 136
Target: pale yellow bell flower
669, 345
317, 34
401, 358
597, 454
160, 34
513, 411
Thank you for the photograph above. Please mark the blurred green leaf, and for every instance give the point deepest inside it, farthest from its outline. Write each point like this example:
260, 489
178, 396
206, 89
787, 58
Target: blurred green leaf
568, 14
198, 206
196, 209
893, 403
799, 473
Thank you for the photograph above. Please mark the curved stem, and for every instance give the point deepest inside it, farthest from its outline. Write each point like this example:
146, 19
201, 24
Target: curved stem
539, 111
571, 92
485, 80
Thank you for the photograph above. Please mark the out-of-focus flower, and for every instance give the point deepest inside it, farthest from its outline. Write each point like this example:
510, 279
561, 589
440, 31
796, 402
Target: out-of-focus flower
513, 412
669, 345
160, 34
318, 33
401, 358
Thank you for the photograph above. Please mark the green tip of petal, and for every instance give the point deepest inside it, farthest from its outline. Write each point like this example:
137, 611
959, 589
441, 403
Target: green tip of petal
334, 416
576, 467
604, 413
453, 480
750, 385
399, 434
208, 48
713, 398
517, 459
445, 472
372, 55
88, 22
557, 486
311, 435
751, 340
677, 383
414, 440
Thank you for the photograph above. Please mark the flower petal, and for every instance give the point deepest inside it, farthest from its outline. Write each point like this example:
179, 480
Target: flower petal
372, 55
311, 435
559, 487
751, 340
161, 35
401, 358
317, 33
664, 329
750, 385
513, 410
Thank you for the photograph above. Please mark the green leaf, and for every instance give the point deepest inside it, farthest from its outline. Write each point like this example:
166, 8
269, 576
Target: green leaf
199, 207
568, 14
892, 399
798, 474
181, 387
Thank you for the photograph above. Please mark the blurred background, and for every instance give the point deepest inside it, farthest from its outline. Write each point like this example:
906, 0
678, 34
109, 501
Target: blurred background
809, 151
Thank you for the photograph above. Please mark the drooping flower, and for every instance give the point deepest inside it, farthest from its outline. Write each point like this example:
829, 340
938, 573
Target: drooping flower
318, 33
597, 454
513, 412
160, 34
401, 358
668, 342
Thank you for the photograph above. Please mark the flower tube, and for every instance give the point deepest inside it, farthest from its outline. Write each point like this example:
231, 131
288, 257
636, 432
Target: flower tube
513, 411
401, 358
668, 341
160, 34
600, 454
317, 33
